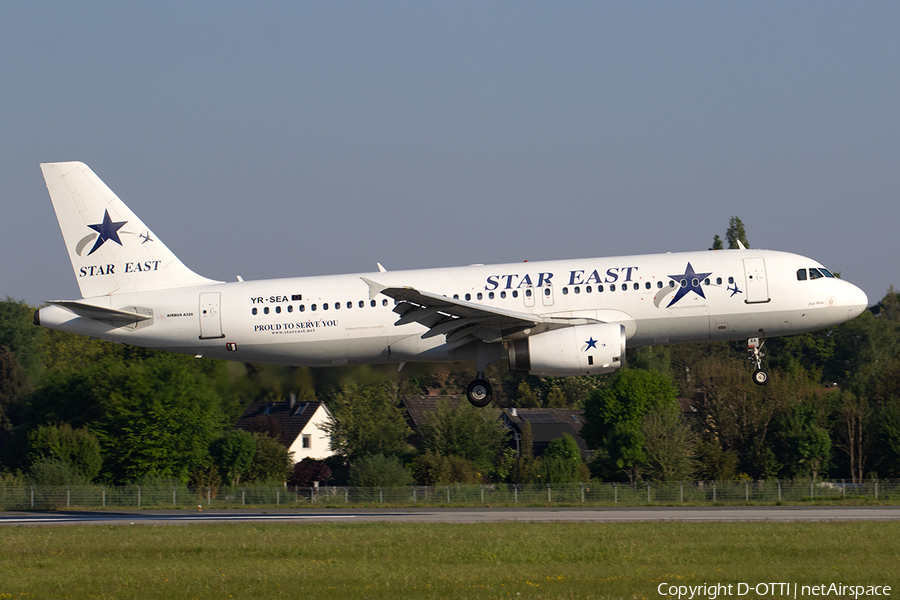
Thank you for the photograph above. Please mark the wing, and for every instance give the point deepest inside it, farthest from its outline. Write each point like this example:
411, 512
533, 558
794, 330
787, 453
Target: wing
463, 322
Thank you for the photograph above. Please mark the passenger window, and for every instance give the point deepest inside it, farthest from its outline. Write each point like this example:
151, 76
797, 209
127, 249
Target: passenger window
349, 305
456, 296
815, 274
546, 291
647, 285
587, 290
312, 307
659, 284
266, 310
516, 293
577, 290
801, 275
254, 311
527, 294
277, 310
479, 296
325, 306
468, 297
384, 302
302, 308
565, 291
290, 308
362, 304
706, 281
731, 280
372, 303
718, 281
503, 294
337, 306
637, 286
671, 283
612, 287
599, 288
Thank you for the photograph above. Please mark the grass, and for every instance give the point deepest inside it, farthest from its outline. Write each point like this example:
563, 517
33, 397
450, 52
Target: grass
384, 560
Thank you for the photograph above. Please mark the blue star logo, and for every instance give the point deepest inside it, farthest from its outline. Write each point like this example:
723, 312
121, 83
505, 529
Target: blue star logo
689, 281
108, 230
734, 291
591, 343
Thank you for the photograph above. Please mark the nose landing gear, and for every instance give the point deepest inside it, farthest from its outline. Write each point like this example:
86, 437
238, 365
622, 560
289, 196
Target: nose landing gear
760, 375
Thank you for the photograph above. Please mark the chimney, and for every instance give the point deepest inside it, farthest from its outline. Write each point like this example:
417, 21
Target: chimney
293, 400
514, 412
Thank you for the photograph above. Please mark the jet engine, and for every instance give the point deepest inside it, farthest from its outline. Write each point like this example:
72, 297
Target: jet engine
577, 350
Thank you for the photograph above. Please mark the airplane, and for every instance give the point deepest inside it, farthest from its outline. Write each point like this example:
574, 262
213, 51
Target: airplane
550, 318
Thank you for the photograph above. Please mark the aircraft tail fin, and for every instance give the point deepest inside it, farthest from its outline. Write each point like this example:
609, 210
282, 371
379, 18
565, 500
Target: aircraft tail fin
111, 249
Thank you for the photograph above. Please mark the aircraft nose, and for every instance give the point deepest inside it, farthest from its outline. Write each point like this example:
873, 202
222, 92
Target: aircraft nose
856, 301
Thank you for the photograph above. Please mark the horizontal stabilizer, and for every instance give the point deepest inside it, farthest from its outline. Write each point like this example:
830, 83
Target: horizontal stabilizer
106, 315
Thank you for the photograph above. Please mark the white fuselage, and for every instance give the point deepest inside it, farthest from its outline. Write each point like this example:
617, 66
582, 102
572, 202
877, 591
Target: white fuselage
332, 320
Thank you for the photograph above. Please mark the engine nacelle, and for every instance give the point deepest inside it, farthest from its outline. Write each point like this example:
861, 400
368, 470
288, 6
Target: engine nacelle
576, 350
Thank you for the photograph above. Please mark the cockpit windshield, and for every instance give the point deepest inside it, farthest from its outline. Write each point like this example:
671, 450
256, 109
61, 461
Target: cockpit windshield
813, 273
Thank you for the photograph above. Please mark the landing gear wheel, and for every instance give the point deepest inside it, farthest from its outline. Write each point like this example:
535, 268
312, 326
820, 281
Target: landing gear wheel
479, 393
760, 377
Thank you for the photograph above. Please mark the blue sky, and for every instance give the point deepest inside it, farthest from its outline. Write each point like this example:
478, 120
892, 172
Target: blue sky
285, 139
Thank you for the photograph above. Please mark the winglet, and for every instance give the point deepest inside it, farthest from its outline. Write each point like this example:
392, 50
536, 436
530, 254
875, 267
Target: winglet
740, 245
375, 288
381, 268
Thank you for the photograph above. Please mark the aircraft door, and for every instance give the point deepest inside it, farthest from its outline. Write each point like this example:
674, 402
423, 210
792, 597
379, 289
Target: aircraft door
547, 295
528, 296
210, 317
757, 286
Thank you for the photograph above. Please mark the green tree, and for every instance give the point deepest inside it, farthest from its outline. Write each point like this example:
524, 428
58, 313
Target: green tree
378, 470
556, 398
21, 358
77, 449
561, 462
853, 432
271, 461
736, 234
717, 243
475, 434
233, 453
527, 397
367, 420
18, 333
888, 435
669, 445
805, 446
613, 417
154, 415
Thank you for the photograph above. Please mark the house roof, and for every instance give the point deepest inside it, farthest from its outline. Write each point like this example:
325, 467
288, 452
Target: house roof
417, 406
291, 417
548, 424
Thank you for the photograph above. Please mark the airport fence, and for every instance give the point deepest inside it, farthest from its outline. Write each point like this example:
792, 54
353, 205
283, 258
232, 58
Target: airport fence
592, 493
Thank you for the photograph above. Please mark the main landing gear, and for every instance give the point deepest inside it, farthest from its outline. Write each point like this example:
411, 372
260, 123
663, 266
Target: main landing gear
479, 392
760, 375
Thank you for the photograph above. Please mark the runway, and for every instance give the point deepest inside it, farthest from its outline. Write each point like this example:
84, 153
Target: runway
461, 515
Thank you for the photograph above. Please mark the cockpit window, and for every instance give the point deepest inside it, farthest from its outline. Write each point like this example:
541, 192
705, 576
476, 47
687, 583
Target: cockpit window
826, 272
801, 275
815, 274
